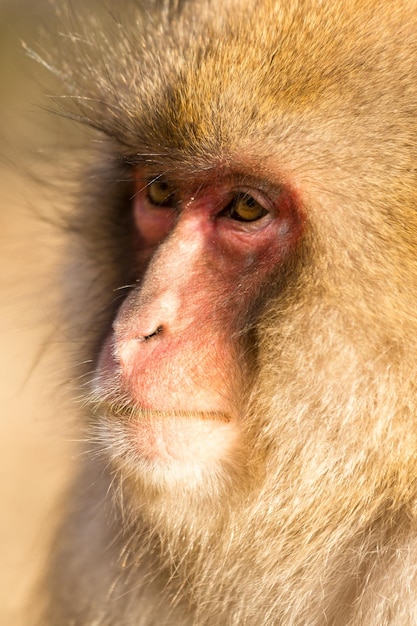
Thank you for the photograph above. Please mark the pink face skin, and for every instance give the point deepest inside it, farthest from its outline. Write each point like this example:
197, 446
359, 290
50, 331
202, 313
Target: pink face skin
174, 349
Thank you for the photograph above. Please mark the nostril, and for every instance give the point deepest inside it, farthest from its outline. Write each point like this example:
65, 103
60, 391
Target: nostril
151, 335
126, 351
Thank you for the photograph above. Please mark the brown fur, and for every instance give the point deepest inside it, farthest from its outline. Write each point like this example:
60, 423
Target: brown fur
314, 521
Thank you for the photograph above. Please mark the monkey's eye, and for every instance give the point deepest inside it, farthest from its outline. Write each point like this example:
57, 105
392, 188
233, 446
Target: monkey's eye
160, 193
244, 208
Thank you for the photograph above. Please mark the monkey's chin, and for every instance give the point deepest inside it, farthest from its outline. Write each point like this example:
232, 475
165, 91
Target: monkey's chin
170, 447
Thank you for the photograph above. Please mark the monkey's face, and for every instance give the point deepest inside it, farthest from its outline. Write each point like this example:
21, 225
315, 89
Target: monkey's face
175, 371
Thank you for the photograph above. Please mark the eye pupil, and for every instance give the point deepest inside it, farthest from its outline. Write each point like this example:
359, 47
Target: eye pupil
250, 202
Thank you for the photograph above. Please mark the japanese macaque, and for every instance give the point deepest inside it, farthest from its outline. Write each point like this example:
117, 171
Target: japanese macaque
247, 269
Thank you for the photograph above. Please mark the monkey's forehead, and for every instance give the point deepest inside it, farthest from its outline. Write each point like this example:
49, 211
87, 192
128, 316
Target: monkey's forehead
198, 83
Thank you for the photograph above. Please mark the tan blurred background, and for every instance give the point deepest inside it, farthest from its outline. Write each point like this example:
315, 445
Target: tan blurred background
36, 437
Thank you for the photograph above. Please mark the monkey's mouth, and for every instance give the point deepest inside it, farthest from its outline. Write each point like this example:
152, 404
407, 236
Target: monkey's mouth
147, 439
132, 412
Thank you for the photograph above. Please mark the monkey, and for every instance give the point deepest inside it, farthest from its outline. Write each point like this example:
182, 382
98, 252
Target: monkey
241, 291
